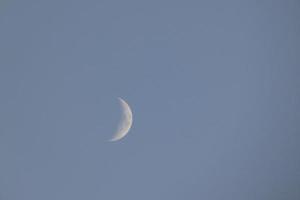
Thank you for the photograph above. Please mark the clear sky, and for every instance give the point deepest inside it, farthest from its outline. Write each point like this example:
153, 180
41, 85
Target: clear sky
214, 87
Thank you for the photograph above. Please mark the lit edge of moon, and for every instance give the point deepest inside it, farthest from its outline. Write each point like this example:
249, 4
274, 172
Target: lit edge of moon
125, 123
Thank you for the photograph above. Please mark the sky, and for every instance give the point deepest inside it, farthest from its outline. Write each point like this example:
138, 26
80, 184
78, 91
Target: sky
213, 87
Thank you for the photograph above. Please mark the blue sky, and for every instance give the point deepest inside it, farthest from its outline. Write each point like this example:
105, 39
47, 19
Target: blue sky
213, 85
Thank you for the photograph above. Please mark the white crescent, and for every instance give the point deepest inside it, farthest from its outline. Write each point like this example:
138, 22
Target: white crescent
125, 123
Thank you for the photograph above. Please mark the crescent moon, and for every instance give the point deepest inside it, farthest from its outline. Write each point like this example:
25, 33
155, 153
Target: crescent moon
125, 123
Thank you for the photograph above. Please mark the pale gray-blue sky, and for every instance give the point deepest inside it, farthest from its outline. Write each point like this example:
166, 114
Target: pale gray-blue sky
214, 88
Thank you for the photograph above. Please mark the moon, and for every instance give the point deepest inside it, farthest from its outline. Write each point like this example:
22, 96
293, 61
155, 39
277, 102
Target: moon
125, 123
